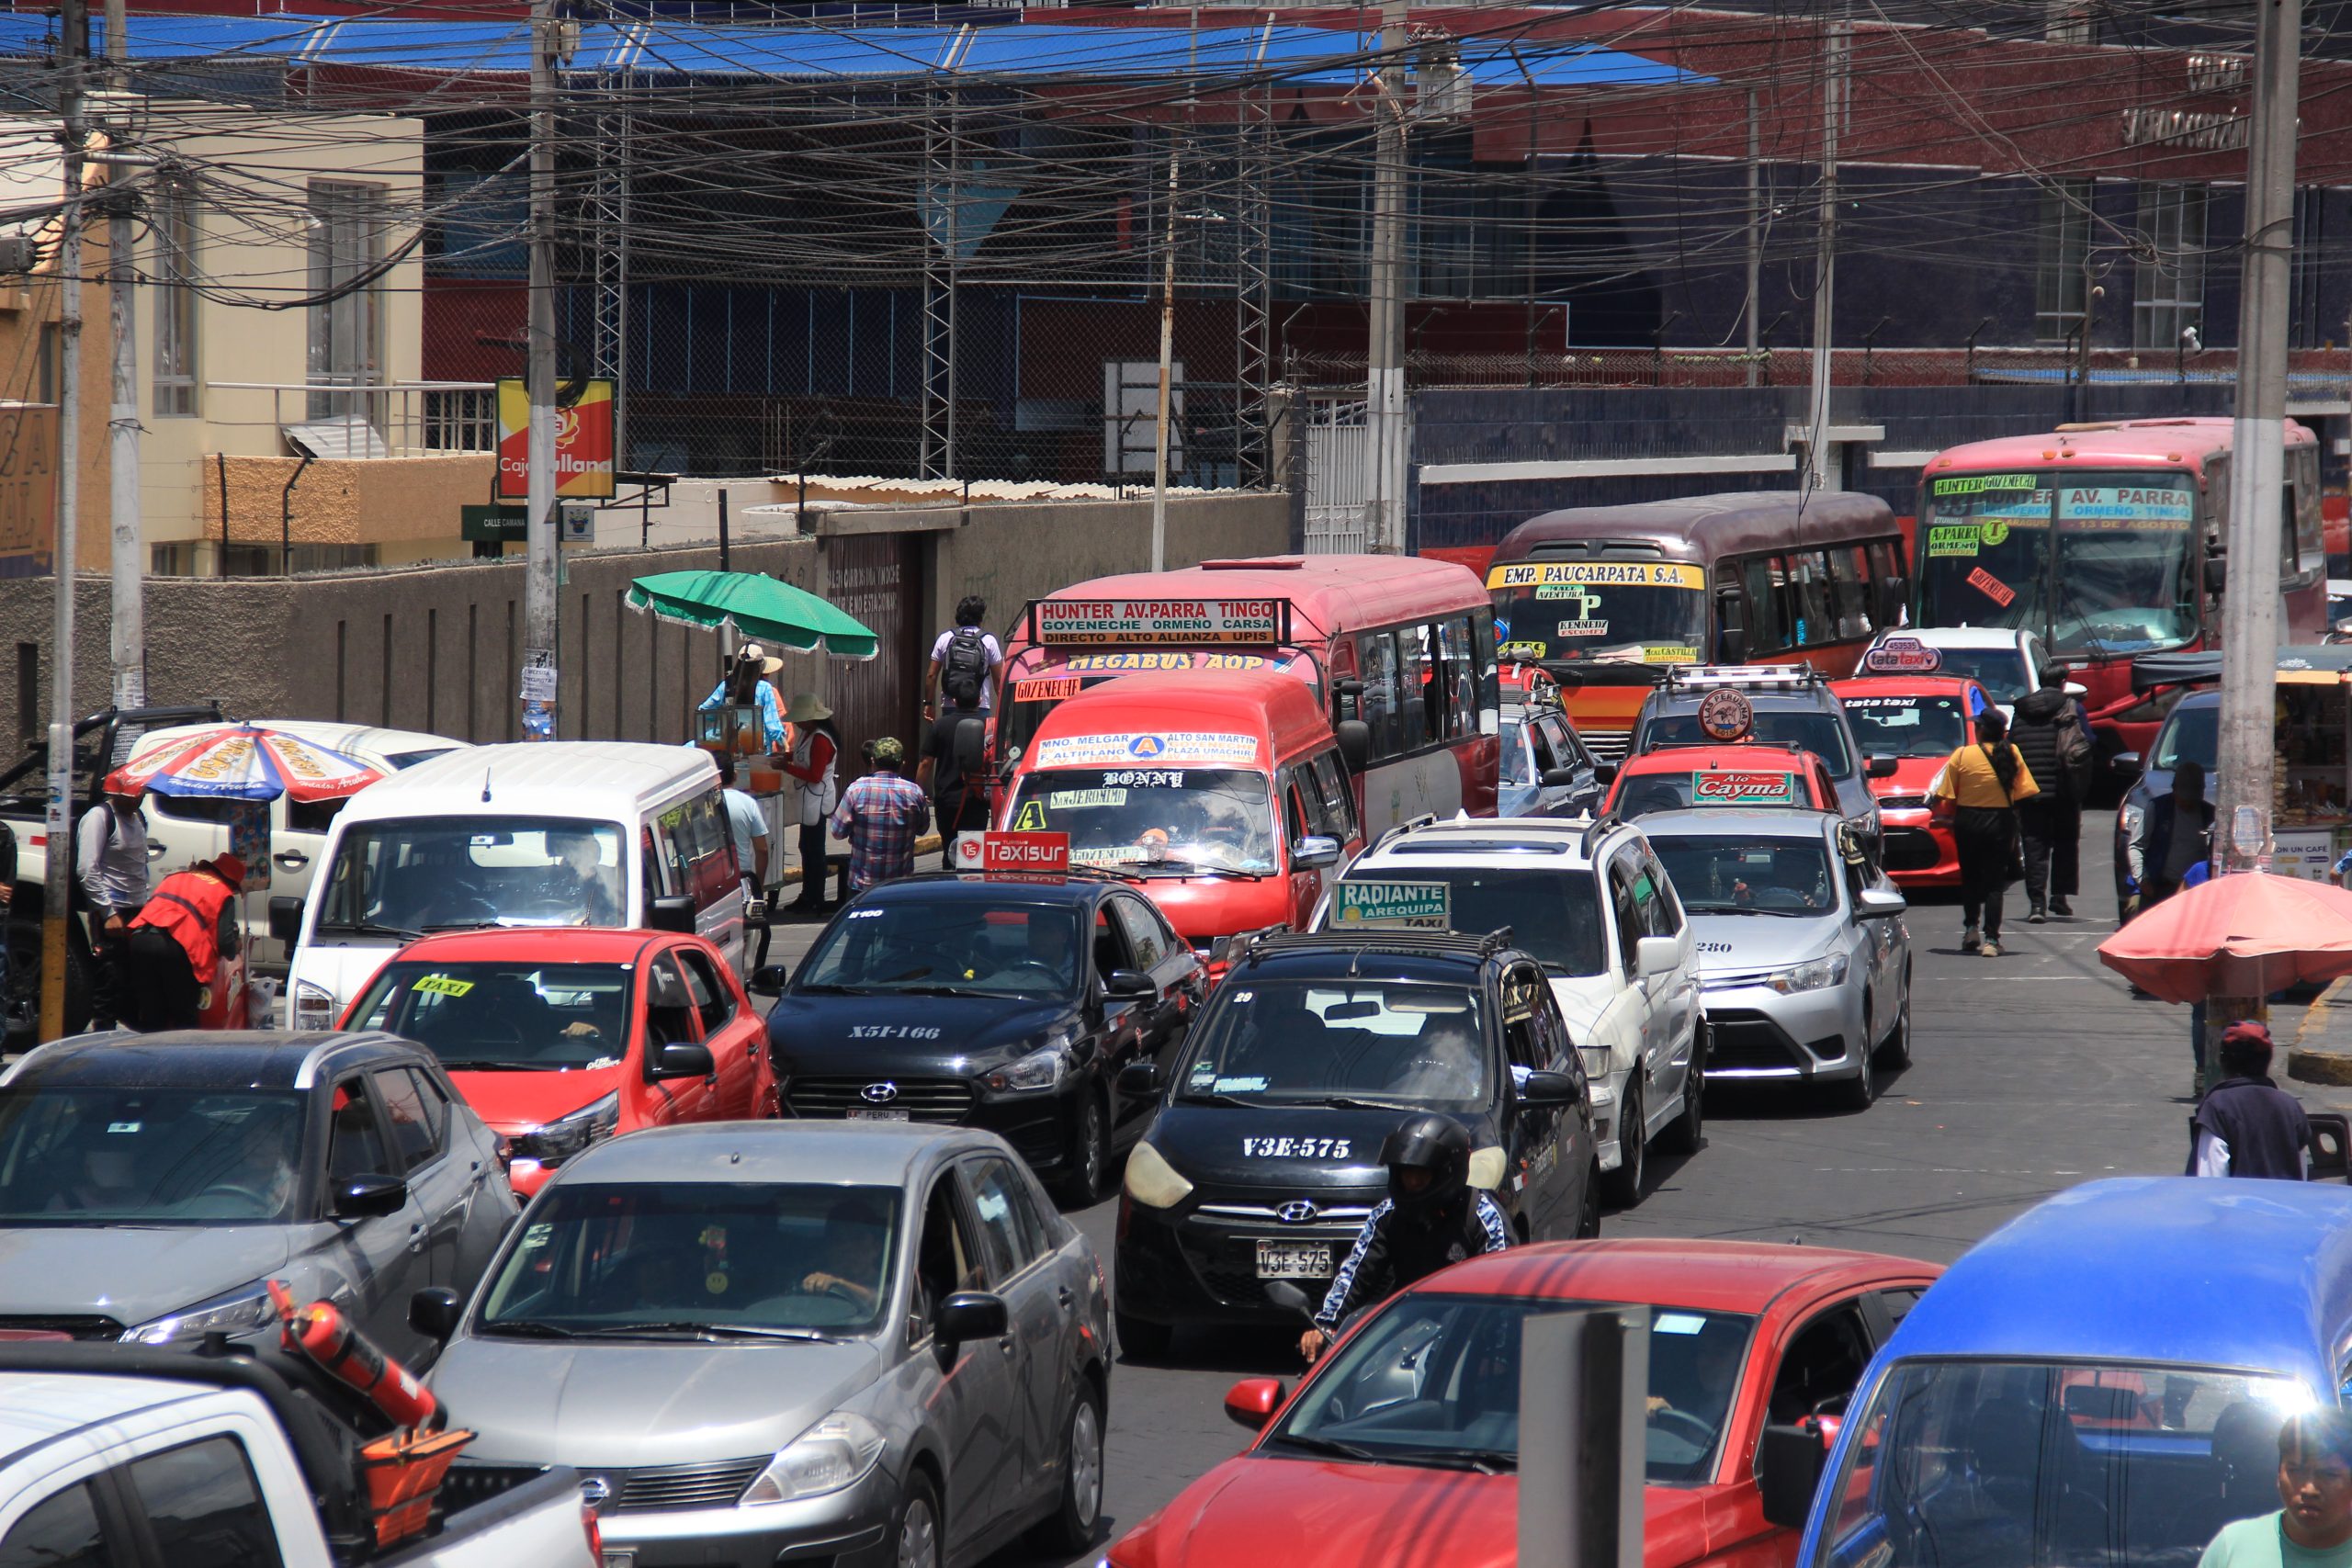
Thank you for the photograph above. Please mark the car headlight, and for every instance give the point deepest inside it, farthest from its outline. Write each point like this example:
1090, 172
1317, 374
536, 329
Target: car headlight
1042, 1068
560, 1140
1816, 976
2132, 816
835, 1453
313, 1006
234, 1313
1152, 1181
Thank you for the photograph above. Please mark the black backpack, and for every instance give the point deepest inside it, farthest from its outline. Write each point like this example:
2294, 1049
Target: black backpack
966, 668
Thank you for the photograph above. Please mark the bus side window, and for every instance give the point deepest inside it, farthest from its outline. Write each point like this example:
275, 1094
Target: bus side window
1339, 801
1461, 669
1420, 702
1849, 588
1378, 652
1763, 610
1890, 590
1809, 577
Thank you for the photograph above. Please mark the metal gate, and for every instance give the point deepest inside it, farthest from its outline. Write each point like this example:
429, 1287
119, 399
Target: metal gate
879, 578
1338, 452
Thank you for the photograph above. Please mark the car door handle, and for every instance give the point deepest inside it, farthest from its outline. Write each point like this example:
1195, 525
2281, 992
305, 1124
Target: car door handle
1066, 1298
293, 860
416, 1238
1009, 1346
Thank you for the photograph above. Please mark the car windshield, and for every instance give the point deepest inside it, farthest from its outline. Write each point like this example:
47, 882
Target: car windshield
405, 876
1154, 821
1582, 611
2190, 735
1792, 730
1907, 726
1434, 1380
150, 1157
1518, 763
526, 1017
686, 1257
1720, 874
1994, 1464
1768, 784
994, 947
1304, 1042
2001, 671
1555, 915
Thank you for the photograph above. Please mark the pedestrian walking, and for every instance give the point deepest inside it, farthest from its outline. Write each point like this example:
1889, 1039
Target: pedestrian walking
747, 685
177, 941
957, 804
747, 825
881, 815
2314, 1481
816, 753
2176, 833
966, 662
1984, 783
2048, 733
2247, 1125
110, 878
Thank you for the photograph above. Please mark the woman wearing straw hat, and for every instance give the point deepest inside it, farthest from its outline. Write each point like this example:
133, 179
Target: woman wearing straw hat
815, 749
745, 683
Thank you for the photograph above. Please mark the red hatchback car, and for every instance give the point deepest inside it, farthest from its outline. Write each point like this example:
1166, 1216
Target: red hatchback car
1918, 720
560, 1039
1413, 1418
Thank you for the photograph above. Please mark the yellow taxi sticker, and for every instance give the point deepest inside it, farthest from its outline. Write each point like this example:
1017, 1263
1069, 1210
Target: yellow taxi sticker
443, 986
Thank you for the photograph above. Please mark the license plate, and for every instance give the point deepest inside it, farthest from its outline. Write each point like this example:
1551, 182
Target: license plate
1294, 1260
877, 1114
620, 1557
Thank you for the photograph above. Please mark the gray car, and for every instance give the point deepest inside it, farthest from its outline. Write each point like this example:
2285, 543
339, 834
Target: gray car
859, 1342
150, 1185
1805, 961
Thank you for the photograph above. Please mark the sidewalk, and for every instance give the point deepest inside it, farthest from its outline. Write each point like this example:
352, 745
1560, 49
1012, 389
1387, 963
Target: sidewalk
2319, 1056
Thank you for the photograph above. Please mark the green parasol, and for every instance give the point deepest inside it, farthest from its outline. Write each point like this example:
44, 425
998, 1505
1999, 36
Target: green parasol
758, 607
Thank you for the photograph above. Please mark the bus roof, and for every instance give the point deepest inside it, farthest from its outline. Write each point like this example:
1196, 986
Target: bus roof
1700, 527
1327, 593
2183, 443
1267, 706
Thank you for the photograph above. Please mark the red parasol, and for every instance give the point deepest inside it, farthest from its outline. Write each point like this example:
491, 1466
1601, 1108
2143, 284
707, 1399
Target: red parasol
2244, 935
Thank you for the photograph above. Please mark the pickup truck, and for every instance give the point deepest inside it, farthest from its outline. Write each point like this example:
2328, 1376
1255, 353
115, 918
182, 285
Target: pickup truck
172, 1458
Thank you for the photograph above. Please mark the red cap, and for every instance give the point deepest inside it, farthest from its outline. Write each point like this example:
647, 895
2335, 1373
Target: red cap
118, 782
2246, 1031
231, 869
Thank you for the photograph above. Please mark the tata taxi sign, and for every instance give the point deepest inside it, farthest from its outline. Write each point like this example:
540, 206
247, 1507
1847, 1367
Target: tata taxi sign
1424, 906
1721, 786
583, 441
1902, 656
1044, 854
1078, 622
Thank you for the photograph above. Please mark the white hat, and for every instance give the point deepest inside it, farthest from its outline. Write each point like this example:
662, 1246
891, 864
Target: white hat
769, 664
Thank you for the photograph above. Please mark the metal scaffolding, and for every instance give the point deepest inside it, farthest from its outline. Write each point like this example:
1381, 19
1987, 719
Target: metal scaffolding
1254, 279
944, 159
608, 223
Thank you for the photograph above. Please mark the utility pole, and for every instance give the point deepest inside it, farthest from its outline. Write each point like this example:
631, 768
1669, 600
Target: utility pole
1384, 383
58, 813
541, 527
1167, 347
127, 634
1825, 265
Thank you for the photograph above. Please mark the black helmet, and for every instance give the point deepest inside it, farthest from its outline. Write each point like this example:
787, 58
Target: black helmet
1438, 1144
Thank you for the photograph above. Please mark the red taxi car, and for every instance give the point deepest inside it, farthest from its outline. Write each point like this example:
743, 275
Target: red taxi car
560, 1039
1413, 1416
1918, 720
1738, 775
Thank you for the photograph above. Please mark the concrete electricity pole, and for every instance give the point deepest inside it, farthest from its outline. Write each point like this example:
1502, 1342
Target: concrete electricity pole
58, 813
1384, 384
1825, 265
539, 530
126, 635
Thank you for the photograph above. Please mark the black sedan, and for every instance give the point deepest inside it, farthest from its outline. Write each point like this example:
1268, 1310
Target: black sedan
989, 1001
1263, 1160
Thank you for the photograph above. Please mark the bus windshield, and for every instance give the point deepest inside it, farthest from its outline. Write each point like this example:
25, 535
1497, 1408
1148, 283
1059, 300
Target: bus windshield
2101, 563
1154, 821
1641, 611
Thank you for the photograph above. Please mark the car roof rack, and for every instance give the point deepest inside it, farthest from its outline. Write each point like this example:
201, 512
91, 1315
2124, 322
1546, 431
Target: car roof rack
1410, 824
1400, 940
1746, 677
1596, 828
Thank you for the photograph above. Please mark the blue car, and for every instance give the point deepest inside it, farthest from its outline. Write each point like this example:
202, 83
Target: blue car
2102, 1381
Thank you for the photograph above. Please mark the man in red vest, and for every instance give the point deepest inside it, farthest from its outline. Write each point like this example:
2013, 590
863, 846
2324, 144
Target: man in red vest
177, 941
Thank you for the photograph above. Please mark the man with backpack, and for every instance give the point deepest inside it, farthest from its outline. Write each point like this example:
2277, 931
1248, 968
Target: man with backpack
965, 663
2049, 734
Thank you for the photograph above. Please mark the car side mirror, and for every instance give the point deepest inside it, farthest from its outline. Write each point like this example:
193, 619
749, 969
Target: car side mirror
1655, 956
968, 1315
286, 919
1354, 737
1314, 853
1605, 772
771, 979
681, 1059
2126, 763
1252, 1402
2331, 1146
2217, 574
1789, 1462
1882, 767
1543, 1090
434, 1313
1139, 1078
1554, 778
371, 1197
2076, 690
1880, 903
1129, 982
674, 913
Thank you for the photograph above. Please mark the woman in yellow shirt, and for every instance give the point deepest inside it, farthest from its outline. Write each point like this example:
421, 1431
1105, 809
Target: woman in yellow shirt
1984, 783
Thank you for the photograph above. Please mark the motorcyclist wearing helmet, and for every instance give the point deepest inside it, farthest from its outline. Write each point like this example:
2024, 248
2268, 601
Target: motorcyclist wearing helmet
1431, 1217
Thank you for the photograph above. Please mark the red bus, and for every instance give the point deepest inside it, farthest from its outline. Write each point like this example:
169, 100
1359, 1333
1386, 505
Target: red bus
1399, 651
2107, 540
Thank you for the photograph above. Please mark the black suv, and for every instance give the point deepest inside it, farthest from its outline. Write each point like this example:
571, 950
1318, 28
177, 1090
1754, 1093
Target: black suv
1263, 1160
1003, 1002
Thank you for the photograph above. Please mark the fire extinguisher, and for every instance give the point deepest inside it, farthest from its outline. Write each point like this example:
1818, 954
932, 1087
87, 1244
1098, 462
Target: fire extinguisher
324, 1337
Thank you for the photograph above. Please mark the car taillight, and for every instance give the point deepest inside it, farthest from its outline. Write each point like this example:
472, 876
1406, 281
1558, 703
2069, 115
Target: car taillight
594, 1532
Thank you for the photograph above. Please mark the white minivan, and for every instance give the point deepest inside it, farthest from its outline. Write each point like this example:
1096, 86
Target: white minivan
557, 833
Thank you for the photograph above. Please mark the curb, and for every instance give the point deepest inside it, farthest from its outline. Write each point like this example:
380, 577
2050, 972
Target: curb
2311, 1059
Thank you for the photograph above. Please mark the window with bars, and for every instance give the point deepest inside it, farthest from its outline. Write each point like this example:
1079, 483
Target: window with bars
174, 217
2168, 287
2064, 231
347, 225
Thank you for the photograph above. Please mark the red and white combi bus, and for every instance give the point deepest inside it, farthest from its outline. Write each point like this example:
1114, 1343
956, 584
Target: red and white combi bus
1399, 651
2107, 539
